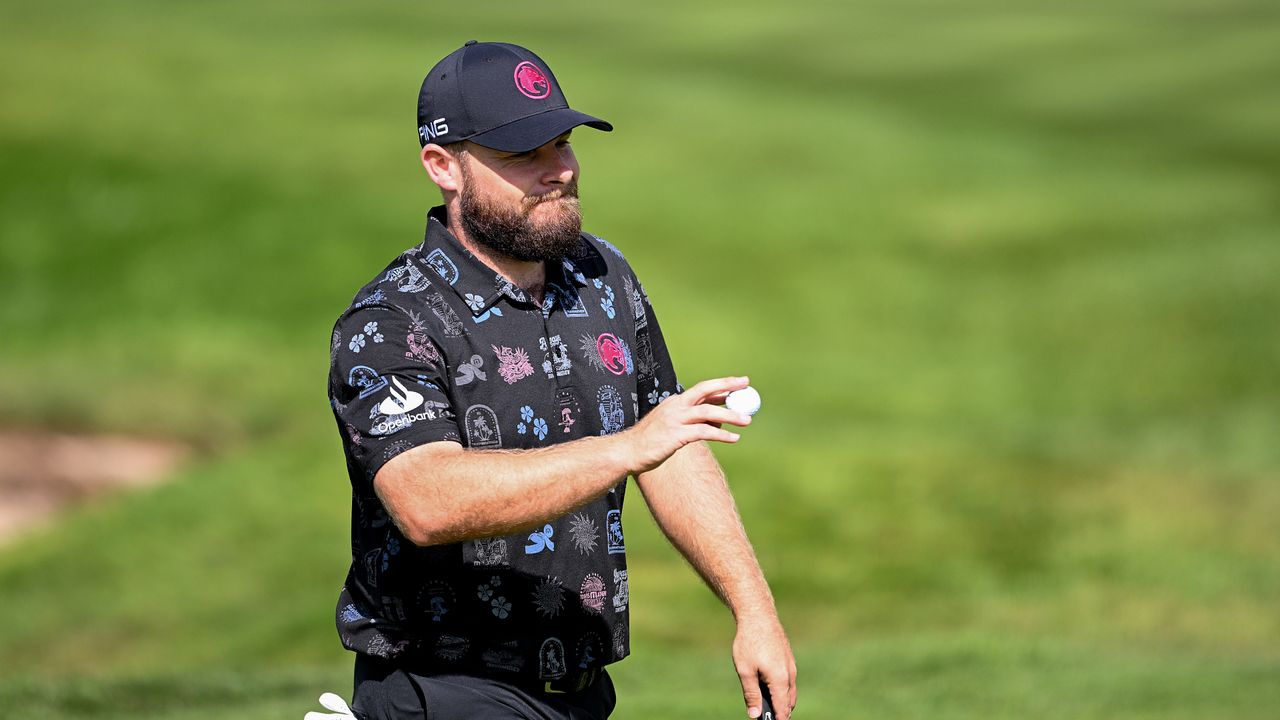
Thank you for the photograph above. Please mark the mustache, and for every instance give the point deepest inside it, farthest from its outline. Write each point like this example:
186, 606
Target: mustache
568, 192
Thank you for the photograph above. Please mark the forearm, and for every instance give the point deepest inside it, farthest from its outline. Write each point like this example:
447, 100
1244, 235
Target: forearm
441, 493
691, 502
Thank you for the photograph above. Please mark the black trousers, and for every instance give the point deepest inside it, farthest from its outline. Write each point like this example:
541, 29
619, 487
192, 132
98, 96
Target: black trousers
385, 691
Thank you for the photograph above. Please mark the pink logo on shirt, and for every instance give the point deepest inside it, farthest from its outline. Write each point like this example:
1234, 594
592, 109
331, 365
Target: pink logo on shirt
612, 353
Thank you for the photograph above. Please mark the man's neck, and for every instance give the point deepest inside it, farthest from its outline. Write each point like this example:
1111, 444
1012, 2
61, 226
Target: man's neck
528, 275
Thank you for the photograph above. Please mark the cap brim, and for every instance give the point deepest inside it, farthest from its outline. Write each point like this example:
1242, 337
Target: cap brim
536, 130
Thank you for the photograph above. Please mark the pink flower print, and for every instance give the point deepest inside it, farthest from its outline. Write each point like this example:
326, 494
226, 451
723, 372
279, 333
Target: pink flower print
513, 363
421, 349
420, 346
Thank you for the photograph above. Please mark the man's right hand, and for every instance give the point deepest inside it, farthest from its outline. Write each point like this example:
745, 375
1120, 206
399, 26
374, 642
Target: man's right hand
693, 415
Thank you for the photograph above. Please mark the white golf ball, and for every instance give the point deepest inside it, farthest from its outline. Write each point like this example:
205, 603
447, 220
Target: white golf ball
746, 401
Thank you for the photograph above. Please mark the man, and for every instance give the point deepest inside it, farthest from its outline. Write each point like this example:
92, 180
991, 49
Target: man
494, 387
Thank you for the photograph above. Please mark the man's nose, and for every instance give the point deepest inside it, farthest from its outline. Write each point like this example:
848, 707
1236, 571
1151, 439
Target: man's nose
560, 167
565, 174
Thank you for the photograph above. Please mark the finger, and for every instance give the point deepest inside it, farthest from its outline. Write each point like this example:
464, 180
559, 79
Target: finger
707, 432
700, 392
751, 695
780, 694
717, 398
718, 414
795, 692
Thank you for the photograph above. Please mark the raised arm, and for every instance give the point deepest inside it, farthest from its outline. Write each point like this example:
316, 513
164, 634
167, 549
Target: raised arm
441, 493
691, 503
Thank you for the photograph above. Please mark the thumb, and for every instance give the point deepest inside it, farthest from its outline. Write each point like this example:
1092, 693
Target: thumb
751, 694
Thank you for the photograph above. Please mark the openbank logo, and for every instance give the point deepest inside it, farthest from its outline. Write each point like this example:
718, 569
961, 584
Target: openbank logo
396, 412
400, 402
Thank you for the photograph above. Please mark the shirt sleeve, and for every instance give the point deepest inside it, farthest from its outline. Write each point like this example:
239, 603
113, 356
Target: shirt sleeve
655, 372
387, 385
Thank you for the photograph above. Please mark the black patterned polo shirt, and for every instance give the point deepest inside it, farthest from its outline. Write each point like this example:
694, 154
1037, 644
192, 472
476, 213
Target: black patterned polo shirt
440, 347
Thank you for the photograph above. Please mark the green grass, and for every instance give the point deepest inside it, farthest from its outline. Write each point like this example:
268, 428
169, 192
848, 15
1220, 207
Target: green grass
1003, 272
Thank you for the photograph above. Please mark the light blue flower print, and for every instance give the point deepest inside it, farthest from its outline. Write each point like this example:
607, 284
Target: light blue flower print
476, 303
393, 548
371, 329
495, 310
597, 282
655, 398
484, 592
501, 607
540, 428
357, 342
526, 413
606, 302
521, 428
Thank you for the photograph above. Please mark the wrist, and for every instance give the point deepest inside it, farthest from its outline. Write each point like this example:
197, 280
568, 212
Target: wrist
619, 454
755, 609
757, 619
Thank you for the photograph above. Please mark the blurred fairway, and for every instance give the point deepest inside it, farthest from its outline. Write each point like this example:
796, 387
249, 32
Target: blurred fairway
1005, 274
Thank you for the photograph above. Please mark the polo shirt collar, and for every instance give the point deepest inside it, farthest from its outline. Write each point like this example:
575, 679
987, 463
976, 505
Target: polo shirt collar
475, 283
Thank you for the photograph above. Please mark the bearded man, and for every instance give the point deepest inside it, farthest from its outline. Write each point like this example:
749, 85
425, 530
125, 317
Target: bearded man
494, 387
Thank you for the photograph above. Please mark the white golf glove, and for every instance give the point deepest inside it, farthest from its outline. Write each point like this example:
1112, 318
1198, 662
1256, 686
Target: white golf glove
332, 702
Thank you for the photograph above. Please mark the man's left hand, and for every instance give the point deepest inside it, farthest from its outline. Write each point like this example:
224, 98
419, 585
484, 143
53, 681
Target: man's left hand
762, 655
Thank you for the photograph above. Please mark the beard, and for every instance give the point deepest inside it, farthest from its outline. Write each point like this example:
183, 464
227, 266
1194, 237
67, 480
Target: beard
513, 232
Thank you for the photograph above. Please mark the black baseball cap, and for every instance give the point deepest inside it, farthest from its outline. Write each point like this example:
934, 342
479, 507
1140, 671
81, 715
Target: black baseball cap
498, 95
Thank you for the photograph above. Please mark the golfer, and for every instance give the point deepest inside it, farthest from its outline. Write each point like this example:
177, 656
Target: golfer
494, 387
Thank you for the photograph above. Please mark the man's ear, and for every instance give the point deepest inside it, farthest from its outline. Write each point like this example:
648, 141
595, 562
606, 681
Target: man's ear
442, 167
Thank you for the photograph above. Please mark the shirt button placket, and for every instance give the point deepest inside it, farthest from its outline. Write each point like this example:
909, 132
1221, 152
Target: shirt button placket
566, 414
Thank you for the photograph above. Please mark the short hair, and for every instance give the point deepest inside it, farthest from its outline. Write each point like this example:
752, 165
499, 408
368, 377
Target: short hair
458, 149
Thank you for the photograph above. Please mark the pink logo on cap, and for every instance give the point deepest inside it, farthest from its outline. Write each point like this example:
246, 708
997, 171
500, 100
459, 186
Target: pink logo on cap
531, 81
